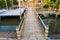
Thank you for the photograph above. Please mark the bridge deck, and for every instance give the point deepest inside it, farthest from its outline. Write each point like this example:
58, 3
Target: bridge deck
31, 29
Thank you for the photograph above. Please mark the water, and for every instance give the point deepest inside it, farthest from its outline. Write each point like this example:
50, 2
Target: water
7, 28
10, 21
8, 32
54, 25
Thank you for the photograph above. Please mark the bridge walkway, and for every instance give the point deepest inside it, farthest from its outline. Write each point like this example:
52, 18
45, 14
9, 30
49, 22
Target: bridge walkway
31, 28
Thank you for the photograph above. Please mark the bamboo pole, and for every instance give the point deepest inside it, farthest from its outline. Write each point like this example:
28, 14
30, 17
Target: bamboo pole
6, 4
46, 31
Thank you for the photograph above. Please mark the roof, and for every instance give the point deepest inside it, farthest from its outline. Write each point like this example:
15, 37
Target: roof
2, 10
13, 12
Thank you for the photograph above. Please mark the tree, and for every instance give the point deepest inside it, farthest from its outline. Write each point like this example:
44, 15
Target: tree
2, 3
46, 1
9, 2
15, 2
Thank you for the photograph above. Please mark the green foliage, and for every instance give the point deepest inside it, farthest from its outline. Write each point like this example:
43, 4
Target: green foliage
46, 2
2, 3
9, 3
46, 5
50, 3
15, 1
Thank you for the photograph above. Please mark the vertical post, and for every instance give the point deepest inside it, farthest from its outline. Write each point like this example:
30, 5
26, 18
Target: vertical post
0, 18
35, 4
56, 15
12, 4
6, 4
19, 7
23, 3
46, 32
18, 33
55, 10
59, 10
17, 29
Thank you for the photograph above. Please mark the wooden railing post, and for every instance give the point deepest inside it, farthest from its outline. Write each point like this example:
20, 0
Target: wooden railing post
18, 33
19, 28
46, 31
0, 18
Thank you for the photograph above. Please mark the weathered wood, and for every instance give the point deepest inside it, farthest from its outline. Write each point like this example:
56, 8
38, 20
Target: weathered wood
46, 31
31, 29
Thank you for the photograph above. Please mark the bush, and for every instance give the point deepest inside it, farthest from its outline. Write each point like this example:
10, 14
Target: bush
2, 4
51, 5
46, 5
9, 3
15, 2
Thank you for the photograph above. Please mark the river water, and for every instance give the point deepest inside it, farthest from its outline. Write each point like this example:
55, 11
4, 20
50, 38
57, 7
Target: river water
54, 26
8, 27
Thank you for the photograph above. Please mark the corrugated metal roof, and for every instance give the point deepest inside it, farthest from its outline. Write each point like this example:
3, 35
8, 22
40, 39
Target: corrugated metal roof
13, 12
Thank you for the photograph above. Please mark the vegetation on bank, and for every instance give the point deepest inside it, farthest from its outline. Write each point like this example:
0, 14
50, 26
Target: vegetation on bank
9, 3
53, 3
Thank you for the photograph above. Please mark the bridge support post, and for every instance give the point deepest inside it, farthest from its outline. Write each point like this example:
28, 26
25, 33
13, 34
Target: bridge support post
20, 17
0, 18
46, 32
56, 15
18, 33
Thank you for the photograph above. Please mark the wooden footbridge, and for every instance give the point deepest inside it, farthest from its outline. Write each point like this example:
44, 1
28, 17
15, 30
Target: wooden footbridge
31, 26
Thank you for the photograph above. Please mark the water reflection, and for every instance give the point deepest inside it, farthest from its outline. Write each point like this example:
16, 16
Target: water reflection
54, 26
8, 32
7, 28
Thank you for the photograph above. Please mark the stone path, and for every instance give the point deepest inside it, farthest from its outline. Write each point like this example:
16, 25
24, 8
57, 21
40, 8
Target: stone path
31, 29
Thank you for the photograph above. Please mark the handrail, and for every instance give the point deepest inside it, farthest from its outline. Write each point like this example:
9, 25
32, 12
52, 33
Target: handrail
20, 26
21, 22
41, 20
42, 23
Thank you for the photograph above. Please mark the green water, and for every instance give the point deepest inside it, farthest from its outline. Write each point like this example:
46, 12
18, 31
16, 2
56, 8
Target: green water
8, 26
54, 24
5, 21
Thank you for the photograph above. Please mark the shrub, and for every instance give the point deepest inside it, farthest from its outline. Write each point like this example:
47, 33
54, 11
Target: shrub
46, 5
2, 4
15, 2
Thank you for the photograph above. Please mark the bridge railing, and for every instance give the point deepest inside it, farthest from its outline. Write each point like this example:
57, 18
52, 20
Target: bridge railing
21, 22
44, 27
40, 19
19, 28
